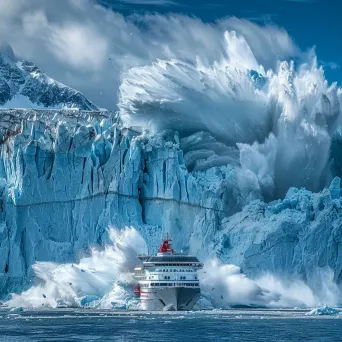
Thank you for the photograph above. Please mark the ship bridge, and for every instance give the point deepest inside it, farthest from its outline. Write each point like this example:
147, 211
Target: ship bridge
163, 259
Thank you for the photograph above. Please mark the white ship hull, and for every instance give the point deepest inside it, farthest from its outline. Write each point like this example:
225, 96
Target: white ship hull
175, 298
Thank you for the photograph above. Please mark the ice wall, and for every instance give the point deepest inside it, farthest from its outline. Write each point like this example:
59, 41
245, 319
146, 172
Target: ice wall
64, 181
296, 238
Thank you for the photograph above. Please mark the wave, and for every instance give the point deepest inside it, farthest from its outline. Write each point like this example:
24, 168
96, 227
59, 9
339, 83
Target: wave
269, 122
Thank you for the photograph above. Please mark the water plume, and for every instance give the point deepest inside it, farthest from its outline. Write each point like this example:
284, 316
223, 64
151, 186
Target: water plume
104, 279
269, 122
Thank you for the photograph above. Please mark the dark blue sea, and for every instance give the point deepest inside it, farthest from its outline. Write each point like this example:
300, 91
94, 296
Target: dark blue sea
231, 325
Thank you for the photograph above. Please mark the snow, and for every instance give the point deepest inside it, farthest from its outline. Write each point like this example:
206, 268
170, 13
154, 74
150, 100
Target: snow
103, 279
20, 101
24, 85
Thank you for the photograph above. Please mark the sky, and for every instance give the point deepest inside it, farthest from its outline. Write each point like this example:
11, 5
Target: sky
90, 44
311, 23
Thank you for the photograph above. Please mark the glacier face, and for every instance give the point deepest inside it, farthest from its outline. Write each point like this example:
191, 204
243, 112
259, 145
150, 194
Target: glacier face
66, 178
64, 183
24, 85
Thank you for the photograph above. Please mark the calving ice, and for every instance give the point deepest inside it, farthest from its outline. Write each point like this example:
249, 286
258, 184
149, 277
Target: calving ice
168, 280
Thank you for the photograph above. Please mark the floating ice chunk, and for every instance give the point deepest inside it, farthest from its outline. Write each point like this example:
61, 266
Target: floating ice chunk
323, 311
89, 300
119, 306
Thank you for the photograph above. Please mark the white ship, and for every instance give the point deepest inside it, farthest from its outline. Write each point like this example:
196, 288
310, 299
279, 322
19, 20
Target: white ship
168, 280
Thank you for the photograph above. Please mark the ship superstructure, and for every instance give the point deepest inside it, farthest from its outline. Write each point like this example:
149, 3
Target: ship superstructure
168, 280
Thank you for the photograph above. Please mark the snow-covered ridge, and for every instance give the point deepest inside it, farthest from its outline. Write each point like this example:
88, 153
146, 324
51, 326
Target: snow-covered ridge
24, 85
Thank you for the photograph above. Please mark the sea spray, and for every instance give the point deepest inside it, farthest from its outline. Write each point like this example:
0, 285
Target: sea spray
295, 292
236, 111
225, 286
104, 280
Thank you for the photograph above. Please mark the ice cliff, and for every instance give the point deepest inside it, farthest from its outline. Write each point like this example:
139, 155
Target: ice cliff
67, 176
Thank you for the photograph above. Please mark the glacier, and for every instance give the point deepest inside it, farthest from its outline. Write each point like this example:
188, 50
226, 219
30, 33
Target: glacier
239, 164
64, 182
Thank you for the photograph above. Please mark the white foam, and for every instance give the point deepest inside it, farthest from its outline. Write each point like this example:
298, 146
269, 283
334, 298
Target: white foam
105, 275
281, 120
104, 280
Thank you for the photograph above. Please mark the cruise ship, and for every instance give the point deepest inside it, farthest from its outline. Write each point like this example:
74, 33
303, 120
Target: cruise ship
167, 280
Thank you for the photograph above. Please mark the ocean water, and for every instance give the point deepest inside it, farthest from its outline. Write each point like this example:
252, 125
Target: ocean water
229, 325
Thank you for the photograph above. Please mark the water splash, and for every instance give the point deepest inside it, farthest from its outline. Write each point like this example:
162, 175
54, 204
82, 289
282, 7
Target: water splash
276, 121
225, 286
104, 280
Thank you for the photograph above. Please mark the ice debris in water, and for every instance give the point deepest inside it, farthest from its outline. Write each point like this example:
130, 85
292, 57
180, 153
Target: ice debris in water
323, 311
